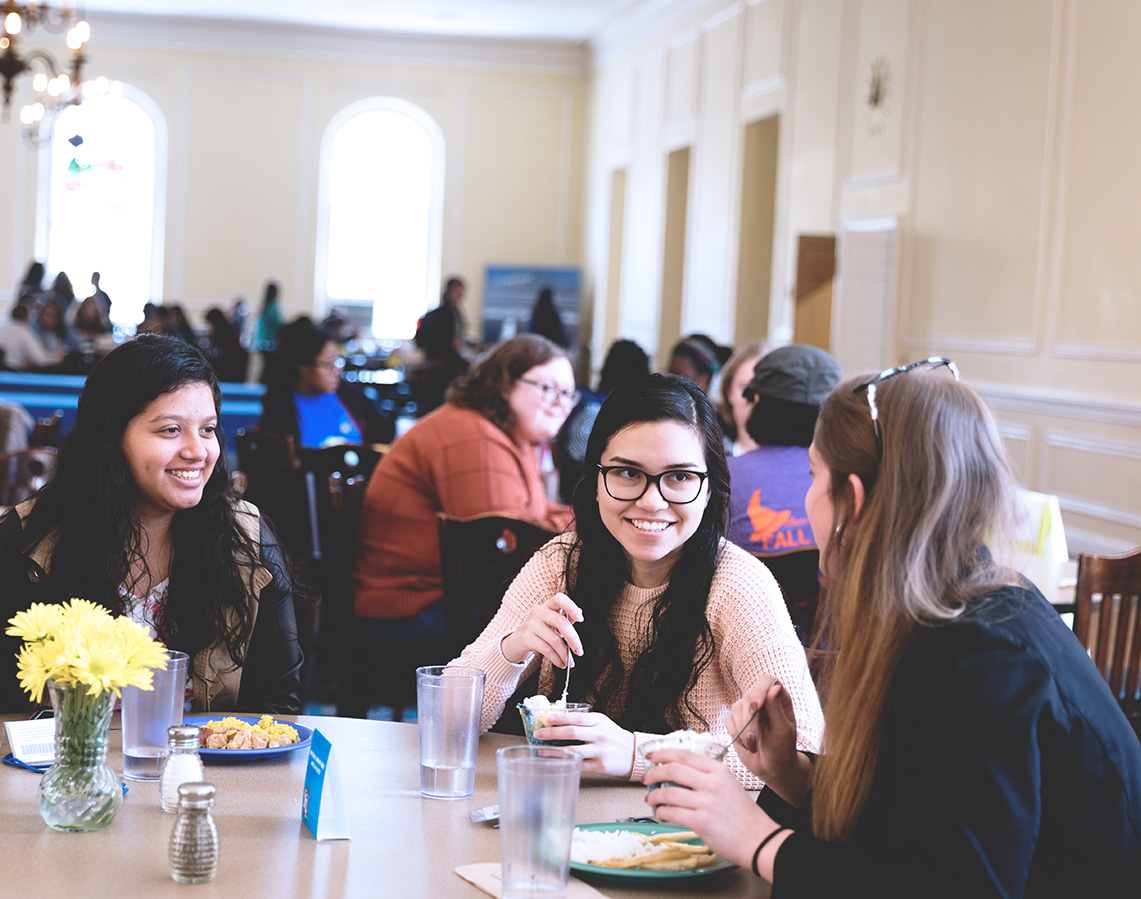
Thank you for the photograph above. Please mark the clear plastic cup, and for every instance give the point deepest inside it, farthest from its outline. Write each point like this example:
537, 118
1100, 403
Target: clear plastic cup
688, 740
538, 792
532, 722
449, 702
146, 715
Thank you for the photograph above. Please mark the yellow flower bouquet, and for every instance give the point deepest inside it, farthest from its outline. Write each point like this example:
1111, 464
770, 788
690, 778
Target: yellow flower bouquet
82, 655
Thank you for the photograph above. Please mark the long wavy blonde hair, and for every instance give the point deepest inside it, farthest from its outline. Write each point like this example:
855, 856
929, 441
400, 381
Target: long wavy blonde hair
910, 558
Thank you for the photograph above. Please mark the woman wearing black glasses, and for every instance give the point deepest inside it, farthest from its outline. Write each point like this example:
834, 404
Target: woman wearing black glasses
666, 622
972, 747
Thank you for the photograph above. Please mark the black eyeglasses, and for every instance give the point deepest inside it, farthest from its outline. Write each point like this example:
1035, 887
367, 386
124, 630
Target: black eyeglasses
552, 394
677, 485
870, 386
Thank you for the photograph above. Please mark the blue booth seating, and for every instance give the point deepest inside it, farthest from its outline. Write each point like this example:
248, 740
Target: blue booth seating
42, 395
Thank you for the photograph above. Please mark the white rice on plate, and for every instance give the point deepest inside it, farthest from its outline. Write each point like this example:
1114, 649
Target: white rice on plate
590, 846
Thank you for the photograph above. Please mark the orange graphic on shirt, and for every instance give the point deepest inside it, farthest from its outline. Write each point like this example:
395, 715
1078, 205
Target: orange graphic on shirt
766, 522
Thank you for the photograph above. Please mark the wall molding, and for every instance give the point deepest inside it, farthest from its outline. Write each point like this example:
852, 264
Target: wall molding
1096, 353
1001, 346
1099, 511
1079, 540
342, 45
1090, 445
1062, 405
876, 179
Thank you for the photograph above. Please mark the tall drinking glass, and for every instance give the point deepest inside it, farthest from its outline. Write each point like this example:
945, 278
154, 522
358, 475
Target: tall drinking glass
148, 713
538, 791
449, 701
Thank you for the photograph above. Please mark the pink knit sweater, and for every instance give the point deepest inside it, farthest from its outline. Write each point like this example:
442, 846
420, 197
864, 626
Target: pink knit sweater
751, 629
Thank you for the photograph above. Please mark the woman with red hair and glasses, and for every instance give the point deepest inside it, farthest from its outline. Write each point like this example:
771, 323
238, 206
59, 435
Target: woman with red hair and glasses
971, 747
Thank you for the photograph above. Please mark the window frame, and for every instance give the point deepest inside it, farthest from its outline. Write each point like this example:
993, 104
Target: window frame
321, 300
158, 225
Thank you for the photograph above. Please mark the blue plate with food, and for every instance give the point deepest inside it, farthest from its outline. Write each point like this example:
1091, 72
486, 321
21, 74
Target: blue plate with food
244, 738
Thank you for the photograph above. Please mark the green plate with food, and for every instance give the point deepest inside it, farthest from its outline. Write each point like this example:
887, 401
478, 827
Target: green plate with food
642, 851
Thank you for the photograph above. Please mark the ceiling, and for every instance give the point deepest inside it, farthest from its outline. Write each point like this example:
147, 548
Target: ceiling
563, 20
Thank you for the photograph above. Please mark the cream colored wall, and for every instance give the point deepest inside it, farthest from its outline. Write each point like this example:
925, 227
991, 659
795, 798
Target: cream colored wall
985, 210
246, 109
694, 75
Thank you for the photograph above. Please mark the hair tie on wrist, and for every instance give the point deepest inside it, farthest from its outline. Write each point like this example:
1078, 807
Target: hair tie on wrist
764, 843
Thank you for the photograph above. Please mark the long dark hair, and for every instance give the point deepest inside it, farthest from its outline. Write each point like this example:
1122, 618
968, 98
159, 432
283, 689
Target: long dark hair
681, 643
90, 507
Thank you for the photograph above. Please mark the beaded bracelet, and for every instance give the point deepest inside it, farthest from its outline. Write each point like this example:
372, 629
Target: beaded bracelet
764, 843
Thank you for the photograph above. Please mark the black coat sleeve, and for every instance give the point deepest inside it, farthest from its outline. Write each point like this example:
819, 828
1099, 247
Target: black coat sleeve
271, 675
997, 776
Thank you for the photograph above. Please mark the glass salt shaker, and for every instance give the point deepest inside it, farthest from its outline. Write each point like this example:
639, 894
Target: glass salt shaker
194, 846
182, 764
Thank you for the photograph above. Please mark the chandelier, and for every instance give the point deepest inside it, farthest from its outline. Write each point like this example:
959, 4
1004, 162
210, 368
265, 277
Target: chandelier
52, 87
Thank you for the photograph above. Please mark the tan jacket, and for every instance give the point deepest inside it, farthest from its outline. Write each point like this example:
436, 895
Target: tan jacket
216, 678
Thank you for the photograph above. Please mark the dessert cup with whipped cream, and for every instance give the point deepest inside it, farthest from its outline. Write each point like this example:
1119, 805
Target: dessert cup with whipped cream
534, 710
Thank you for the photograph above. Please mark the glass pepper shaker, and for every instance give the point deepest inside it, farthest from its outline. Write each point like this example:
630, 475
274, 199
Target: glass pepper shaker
194, 846
182, 765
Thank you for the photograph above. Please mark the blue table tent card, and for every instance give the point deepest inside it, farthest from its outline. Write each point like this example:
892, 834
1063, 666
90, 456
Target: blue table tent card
323, 802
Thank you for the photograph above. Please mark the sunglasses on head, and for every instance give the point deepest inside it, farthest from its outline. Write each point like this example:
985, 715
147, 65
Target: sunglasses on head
870, 386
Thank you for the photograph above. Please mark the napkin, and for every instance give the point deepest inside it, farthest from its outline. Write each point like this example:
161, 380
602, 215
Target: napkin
486, 876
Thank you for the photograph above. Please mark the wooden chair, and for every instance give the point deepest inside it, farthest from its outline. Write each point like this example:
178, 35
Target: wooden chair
46, 432
798, 576
479, 557
315, 468
269, 463
1108, 623
330, 485
24, 472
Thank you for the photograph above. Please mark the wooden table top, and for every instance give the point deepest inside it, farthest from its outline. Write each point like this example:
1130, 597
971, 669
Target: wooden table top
402, 843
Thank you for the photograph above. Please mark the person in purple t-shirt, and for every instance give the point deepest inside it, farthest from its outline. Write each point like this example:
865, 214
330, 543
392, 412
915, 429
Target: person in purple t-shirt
768, 484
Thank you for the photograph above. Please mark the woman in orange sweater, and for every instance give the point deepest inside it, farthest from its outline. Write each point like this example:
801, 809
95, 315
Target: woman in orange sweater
475, 454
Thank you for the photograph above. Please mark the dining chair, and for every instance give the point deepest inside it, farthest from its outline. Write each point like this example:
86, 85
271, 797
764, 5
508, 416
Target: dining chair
798, 574
479, 557
24, 472
46, 431
269, 463
1107, 621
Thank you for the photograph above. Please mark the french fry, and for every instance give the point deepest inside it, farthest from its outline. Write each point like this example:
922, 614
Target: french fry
671, 837
687, 864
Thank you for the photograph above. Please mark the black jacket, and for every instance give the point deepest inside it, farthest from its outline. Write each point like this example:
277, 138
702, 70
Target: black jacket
1006, 769
270, 678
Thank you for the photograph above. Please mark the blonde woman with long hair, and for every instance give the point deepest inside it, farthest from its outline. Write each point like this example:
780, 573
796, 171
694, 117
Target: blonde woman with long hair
971, 748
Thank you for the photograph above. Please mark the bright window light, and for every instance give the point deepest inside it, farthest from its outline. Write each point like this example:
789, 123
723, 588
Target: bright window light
102, 201
383, 191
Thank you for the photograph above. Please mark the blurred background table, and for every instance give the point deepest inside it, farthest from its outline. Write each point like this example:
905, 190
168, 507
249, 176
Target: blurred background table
403, 844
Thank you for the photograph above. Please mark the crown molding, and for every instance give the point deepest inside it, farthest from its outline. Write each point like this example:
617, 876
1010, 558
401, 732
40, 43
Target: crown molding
191, 34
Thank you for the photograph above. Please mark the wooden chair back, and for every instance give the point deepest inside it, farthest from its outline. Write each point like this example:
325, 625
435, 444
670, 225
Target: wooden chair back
315, 467
798, 574
269, 463
1107, 621
46, 431
479, 557
24, 472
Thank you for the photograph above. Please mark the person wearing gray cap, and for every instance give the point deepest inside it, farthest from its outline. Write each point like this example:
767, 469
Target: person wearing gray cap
768, 484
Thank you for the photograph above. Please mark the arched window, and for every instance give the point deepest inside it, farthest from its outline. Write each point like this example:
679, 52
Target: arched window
380, 219
104, 183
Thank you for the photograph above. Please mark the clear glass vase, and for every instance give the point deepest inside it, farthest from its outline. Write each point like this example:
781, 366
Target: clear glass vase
80, 791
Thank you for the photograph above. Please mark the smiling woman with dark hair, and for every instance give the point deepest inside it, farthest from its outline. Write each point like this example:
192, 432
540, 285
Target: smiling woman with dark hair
140, 519
666, 620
